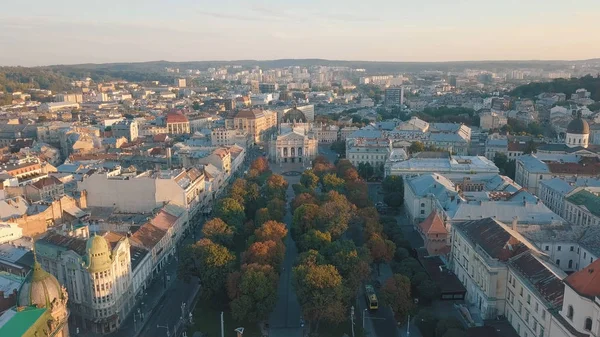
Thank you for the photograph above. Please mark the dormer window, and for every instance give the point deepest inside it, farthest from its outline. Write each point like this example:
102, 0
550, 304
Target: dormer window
570, 312
588, 324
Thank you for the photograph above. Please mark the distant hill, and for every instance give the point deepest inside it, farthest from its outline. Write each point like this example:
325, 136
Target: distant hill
370, 66
566, 86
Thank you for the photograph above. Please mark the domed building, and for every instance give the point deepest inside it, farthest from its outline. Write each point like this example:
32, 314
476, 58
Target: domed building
97, 271
578, 132
41, 308
294, 115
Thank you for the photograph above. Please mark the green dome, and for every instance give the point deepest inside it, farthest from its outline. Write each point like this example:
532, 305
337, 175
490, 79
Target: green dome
39, 289
98, 254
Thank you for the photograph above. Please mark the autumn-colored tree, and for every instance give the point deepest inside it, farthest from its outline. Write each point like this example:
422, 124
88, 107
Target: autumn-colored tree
311, 258
218, 231
357, 193
369, 218
238, 190
276, 209
252, 200
260, 164
321, 159
230, 211
352, 262
396, 292
381, 250
321, 169
314, 239
208, 261
305, 218
265, 252
262, 216
301, 199
276, 187
309, 180
335, 214
321, 294
331, 182
271, 230
350, 174
342, 166
255, 290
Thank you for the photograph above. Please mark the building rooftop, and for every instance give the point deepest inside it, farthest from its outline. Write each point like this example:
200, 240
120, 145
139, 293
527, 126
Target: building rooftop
586, 282
541, 277
493, 238
504, 211
433, 224
15, 322
586, 199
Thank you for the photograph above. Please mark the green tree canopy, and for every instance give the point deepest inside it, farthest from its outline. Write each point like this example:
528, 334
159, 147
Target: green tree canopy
396, 292
416, 147
254, 293
314, 239
230, 211
218, 231
331, 182
208, 261
309, 180
305, 218
321, 294
335, 214
276, 209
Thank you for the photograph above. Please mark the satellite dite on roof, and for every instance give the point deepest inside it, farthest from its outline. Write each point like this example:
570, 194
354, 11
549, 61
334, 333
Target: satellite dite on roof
239, 331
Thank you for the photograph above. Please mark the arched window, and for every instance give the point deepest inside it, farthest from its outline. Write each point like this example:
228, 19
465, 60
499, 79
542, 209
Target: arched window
588, 324
570, 312
570, 264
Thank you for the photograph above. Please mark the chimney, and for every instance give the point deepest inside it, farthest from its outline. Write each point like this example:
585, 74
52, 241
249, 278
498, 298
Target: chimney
514, 223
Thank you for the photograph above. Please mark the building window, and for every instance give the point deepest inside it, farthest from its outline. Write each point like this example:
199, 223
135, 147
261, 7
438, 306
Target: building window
422, 211
558, 262
572, 248
422, 204
588, 324
547, 248
559, 248
570, 312
570, 264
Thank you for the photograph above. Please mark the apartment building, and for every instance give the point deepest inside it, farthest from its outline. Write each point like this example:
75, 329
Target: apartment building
257, 123
145, 191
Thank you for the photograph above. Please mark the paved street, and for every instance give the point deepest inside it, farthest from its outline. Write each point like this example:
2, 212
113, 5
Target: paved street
324, 150
285, 319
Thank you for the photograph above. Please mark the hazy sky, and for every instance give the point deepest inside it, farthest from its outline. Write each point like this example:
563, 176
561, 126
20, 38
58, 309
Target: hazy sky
41, 32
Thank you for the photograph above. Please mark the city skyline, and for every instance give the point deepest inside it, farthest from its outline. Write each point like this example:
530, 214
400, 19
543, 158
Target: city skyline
40, 33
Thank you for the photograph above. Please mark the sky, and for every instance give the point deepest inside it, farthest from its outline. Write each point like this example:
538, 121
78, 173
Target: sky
42, 32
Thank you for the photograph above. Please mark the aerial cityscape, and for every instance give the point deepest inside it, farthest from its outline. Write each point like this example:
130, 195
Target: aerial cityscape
263, 170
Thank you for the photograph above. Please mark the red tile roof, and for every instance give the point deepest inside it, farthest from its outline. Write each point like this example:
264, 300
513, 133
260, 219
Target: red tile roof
176, 118
48, 181
586, 282
575, 168
433, 224
163, 220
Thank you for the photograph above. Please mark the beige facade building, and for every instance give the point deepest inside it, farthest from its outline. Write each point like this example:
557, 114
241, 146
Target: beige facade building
97, 272
73, 98
143, 192
227, 137
257, 123
177, 124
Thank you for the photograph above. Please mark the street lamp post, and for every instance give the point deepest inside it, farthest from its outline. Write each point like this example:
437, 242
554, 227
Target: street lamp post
364, 311
408, 326
352, 319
